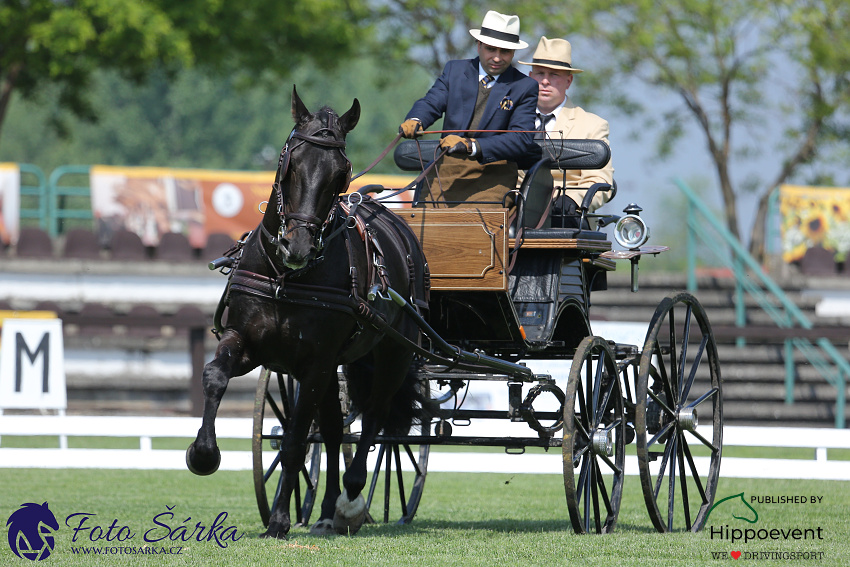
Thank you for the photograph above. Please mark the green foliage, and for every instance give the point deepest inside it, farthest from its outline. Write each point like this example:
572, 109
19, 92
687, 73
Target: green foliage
46, 44
195, 120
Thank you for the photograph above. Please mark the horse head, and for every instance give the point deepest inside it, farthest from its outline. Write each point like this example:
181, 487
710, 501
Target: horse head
312, 172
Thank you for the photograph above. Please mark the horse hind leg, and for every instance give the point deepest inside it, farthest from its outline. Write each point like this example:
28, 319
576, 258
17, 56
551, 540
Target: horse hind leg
390, 369
203, 456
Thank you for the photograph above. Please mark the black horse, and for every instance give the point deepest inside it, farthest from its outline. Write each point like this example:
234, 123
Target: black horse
308, 293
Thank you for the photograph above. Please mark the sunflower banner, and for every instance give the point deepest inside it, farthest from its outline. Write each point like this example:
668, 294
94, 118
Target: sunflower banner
814, 217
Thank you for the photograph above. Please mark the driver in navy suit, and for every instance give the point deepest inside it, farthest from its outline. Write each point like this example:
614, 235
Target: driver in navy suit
473, 96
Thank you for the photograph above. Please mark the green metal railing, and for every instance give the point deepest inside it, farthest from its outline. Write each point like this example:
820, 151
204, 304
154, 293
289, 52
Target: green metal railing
34, 197
69, 197
751, 280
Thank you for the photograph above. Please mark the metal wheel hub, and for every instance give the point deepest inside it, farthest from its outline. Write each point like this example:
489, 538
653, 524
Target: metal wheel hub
603, 442
688, 419
277, 430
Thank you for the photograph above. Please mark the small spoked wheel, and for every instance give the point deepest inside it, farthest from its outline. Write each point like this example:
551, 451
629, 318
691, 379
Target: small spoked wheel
678, 415
398, 477
594, 438
273, 404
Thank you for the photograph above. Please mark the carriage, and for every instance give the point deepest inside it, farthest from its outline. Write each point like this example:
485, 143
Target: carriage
505, 293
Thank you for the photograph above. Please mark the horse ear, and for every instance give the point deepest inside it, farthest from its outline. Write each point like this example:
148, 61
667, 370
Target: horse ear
299, 111
349, 120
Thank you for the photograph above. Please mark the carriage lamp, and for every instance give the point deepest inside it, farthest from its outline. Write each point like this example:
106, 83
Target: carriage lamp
631, 231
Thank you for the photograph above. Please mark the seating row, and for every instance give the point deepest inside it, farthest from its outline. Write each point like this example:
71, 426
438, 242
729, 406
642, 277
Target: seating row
123, 245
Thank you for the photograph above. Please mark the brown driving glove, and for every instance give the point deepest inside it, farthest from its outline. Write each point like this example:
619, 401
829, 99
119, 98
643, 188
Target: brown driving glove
454, 144
410, 128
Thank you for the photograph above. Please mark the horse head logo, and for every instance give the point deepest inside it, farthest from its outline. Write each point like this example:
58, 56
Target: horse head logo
748, 513
31, 530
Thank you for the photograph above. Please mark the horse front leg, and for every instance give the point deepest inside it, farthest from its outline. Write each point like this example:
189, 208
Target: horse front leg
203, 456
312, 387
330, 426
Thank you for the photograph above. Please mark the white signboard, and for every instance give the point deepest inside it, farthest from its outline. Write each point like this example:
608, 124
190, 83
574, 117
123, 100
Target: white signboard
32, 365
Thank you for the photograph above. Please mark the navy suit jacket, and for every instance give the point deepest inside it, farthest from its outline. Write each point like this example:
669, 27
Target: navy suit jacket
512, 106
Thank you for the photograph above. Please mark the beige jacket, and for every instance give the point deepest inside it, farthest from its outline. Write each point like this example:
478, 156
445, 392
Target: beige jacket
574, 123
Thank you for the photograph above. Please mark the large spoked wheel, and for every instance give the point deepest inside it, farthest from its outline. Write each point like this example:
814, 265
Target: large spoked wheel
678, 387
398, 477
594, 438
273, 406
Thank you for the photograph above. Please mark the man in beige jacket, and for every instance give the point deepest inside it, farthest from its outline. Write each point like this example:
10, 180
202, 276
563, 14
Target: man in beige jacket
551, 67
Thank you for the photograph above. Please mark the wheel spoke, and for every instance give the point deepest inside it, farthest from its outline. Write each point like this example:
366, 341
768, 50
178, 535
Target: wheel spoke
684, 486
703, 398
400, 480
671, 494
706, 442
611, 465
376, 473
669, 380
683, 357
595, 489
603, 408
272, 467
661, 403
663, 469
596, 387
582, 417
580, 485
603, 490
587, 488
413, 460
276, 410
697, 360
297, 492
664, 429
694, 473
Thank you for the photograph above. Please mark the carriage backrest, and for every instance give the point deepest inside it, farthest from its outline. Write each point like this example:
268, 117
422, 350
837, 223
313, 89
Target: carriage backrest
576, 154
413, 155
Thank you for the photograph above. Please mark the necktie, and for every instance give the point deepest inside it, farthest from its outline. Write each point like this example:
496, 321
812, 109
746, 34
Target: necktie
486, 80
544, 120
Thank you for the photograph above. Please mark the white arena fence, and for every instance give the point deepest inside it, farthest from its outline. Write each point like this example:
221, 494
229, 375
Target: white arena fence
820, 441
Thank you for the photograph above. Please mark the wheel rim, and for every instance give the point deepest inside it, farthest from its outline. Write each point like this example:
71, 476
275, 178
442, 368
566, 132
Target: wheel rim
276, 400
594, 438
679, 460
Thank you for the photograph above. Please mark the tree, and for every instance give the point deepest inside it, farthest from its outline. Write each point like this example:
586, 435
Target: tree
738, 68
428, 33
49, 43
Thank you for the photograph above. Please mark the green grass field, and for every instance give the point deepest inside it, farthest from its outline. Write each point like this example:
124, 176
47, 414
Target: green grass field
464, 519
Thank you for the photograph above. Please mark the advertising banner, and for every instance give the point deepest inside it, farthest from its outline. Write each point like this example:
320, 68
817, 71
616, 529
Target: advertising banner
814, 217
151, 201
10, 197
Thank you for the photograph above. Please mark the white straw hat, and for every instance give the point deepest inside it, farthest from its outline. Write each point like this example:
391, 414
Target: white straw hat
499, 30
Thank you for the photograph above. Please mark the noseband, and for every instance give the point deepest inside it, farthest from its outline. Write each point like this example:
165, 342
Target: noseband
303, 220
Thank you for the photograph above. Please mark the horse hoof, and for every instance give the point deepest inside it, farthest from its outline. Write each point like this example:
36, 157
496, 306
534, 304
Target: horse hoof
323, 528
276, 530
350, 514
202, 467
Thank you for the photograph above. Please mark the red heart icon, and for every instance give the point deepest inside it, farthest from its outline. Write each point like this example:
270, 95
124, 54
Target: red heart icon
735, 554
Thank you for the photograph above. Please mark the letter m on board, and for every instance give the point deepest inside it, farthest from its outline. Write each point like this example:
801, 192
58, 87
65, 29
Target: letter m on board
22, 347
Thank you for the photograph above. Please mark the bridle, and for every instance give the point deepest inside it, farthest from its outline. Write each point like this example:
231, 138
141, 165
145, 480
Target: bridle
326, 137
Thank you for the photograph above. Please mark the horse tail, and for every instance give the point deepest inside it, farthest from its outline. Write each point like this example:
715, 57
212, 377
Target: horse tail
410, 404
